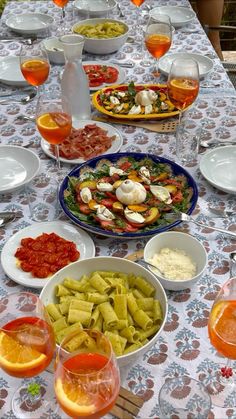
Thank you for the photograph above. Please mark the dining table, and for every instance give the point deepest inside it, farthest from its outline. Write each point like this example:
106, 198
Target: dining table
183, 347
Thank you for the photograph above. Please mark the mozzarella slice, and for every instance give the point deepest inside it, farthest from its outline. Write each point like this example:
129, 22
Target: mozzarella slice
114, 100
85, 195
148, 109
135, 110
134, 217
114, 170
104, 214
104, 187
161, 193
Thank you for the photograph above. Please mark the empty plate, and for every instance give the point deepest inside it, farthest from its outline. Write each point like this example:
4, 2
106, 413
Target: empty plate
18, 167
95, 8
205, 64
10, 72
29, 22
218, 168
179, 16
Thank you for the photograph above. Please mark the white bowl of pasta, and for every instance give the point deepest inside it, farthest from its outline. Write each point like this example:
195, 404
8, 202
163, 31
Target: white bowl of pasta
114, 295
102, 35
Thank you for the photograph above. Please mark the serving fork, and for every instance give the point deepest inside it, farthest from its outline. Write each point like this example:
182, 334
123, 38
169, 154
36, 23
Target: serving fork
181, 216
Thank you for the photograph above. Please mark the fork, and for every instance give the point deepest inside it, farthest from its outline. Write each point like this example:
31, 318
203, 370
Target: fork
166, 126
185, 217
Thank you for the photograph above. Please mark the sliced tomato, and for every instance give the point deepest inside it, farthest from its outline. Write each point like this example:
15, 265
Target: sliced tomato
178, 197
111, 196
111, 75
107, 202
126, 165
131, 228
172, 182
107, 225
84, 208
40, 271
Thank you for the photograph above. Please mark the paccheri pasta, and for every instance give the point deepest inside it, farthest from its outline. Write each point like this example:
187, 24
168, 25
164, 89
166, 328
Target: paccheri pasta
122, 306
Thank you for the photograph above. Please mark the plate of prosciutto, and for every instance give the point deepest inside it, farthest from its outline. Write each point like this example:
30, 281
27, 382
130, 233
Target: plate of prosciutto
88, 139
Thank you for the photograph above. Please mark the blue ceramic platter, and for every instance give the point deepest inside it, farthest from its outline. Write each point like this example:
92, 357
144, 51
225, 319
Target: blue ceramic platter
113, 158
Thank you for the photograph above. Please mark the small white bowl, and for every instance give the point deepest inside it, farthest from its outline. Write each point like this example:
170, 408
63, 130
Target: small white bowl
54, 50
181, 241
95, 8
102, 45
83, 267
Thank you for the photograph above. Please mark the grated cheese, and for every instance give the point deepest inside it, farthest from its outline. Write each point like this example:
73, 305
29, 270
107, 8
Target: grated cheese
175, 264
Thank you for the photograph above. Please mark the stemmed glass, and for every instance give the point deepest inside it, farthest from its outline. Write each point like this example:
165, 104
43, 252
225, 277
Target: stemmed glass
87, 379
27, 346
222, 335
158, 37
54, 122
34, 64
183, 83
138, 31
61, 4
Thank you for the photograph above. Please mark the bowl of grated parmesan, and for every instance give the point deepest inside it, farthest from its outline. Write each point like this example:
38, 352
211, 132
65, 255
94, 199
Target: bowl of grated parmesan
180, 259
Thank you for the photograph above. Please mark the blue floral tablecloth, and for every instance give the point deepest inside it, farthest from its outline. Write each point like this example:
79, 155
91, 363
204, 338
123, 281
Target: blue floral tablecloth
183, 347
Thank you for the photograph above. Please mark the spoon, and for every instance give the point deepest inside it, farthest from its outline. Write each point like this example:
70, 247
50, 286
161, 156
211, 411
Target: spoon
205, 144
7, 217
144, 262
25, 118
24, 100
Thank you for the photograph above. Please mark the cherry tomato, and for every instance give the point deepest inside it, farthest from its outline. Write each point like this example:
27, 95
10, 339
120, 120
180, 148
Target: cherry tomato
178, 197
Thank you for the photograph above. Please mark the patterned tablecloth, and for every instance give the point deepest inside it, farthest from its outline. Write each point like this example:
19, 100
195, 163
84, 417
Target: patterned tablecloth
183, 347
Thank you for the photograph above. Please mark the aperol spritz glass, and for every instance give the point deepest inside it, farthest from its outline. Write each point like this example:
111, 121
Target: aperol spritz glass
54, 121
87, 379
34, 64
158, 38
222, 334
27, 346
183, 83
62, 4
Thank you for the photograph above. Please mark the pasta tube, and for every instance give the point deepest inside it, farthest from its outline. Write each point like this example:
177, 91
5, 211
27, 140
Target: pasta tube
120, 306
142, 319
108, 314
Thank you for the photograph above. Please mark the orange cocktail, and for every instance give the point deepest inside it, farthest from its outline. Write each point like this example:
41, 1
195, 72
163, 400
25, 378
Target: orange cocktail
222, 327
87, 380
26, 346
183, 91
35, 71
54, 126
157, 44
60, 3
137, 3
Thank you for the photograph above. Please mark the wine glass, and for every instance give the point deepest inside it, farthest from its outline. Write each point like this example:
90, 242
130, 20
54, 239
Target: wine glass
222, 335
183, 397
54, 121
158, 37
34, 64
87, 379
138, 31
183, 83
61, 4
27, 346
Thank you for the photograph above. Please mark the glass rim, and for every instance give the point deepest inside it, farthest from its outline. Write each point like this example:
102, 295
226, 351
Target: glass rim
68, 39
60, 349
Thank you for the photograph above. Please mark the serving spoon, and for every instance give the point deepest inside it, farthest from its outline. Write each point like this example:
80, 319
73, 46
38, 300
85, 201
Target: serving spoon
205, 144
24, 100
7, 217
145, 263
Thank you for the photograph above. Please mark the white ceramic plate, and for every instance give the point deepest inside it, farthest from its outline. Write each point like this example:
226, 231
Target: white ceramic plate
95, 8
179, 16
83, 242
205, 64
115, 147
121, 75
218, 168
29, 22
18, 167
10, 72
